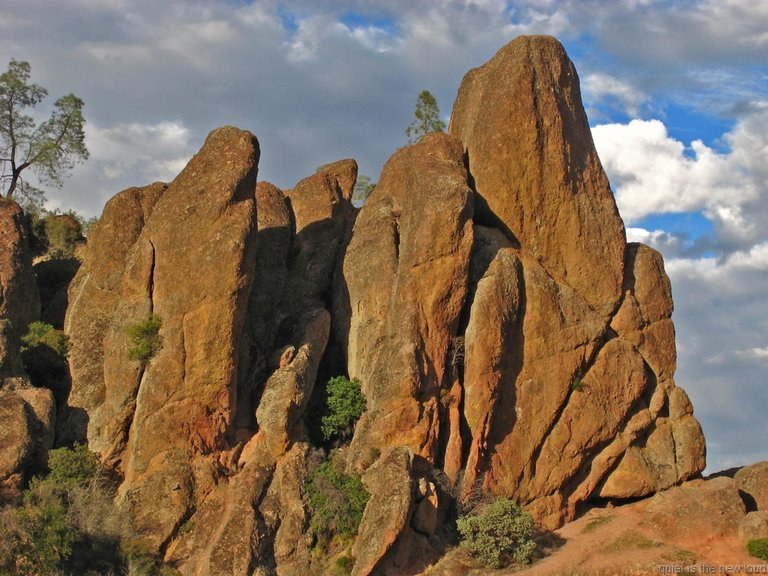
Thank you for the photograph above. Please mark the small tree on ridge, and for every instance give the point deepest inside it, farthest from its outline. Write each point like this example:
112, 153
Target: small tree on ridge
427, 118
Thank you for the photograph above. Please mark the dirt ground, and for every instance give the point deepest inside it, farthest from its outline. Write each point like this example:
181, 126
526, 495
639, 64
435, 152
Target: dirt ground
620, 541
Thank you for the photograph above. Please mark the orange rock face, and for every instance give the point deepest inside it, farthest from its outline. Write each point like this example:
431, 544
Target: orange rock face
535, 169
563, 389
405, 273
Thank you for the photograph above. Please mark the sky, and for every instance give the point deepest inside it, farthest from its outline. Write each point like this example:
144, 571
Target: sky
676, 93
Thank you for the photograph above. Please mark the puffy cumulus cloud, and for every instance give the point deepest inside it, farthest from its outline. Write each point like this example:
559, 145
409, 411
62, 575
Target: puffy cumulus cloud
652, 172
722, 336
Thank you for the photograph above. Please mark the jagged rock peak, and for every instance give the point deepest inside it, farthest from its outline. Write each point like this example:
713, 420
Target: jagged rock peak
530, 153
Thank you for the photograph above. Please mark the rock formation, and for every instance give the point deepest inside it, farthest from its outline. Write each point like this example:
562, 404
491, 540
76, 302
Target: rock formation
507, 338
565, 388
27, 414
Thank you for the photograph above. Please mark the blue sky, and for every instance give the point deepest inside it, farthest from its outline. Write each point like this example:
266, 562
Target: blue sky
676, 92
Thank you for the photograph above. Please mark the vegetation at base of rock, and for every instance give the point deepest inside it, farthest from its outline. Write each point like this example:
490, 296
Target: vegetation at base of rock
336, 501
577, 385
68, 524
71, 467
344, 405
758, 548
631, 540
497, 533
145, 338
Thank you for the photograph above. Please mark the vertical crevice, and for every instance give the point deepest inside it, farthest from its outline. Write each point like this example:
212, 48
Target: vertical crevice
151, 279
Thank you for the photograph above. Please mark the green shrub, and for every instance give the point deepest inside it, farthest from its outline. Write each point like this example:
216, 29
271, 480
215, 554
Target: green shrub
42, 334
145, 339
44, 353
71, 467
497, 532
344, 405
68, 523
336, 500
577, 385
47, 535
758, 548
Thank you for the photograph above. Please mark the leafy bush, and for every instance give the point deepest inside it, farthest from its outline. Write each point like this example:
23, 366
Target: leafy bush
336, 500
68, 523
497, 532
42, 334
758, 548
71, 467
44, 352
145, 339
577, 385
345, 404
47, 535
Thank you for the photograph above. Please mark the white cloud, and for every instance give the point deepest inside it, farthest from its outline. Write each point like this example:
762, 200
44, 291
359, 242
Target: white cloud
722, 336
599, 86
653, 173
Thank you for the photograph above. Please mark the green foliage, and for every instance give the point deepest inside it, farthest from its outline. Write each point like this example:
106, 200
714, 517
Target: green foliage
758, 548
578, 384
363, 188
44, 353
596, 523
427, 118
336, 501
497, 532
145, 339
69, 524
345, 404
47, 535
71, 467
51, 148
42, 334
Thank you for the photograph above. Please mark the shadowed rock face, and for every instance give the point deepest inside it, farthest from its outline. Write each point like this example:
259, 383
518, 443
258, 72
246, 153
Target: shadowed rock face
27, 414
506, 336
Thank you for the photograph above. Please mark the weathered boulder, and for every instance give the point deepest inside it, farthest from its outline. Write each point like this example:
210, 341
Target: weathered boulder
534, 166
27, 419
388, 482
706, 509
753, 483
754, 526
19, 296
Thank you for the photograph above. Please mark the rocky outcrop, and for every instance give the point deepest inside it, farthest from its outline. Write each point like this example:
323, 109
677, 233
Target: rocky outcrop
415, 232
27, 414
537, 359
507, 338
530, 154
240, 276
93, 296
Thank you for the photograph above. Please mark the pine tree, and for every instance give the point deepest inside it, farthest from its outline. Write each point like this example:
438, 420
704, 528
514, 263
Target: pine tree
427, 118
